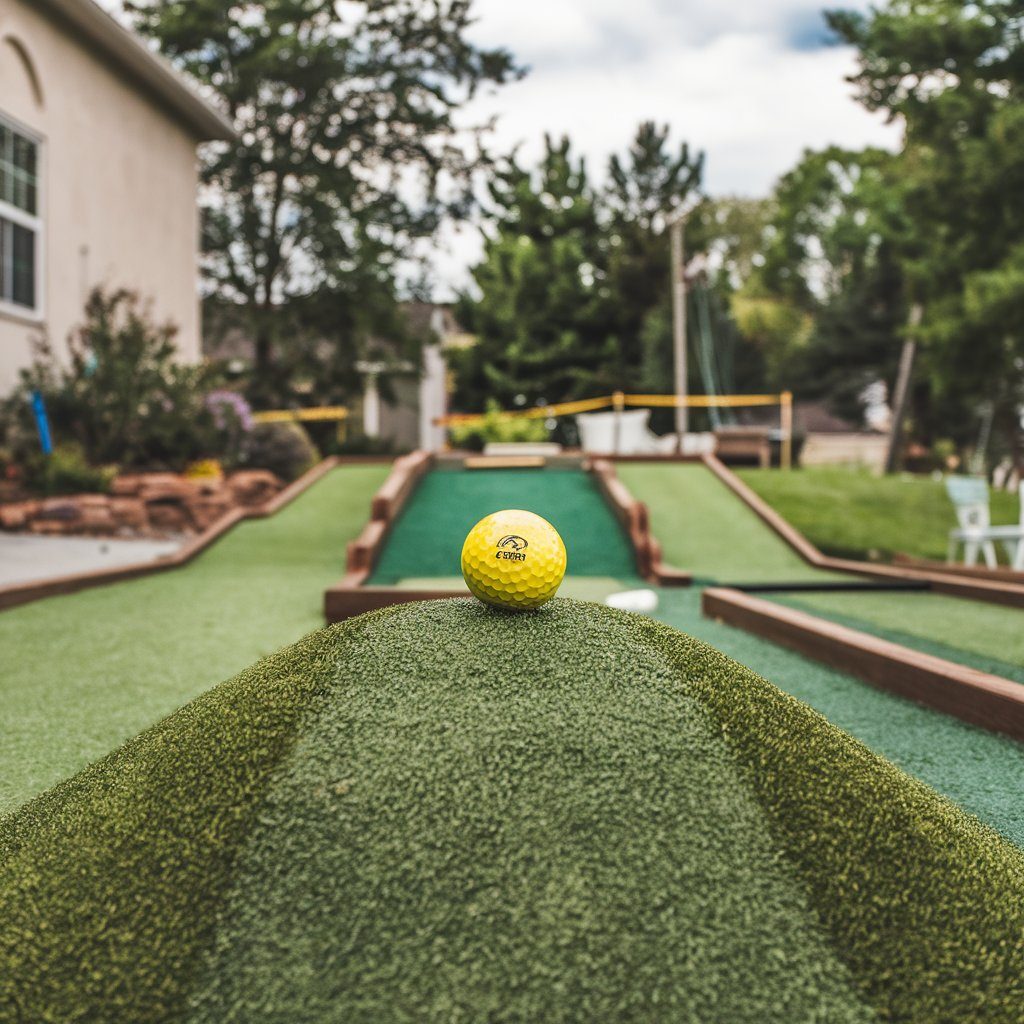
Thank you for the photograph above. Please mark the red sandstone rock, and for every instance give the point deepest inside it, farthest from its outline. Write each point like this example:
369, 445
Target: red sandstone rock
254, 486
129, 513
169, 516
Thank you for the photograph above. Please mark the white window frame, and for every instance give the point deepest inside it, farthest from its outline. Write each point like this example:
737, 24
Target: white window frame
32, 222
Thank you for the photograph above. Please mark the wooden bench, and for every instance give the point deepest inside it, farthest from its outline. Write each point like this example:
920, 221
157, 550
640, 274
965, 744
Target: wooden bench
744, 444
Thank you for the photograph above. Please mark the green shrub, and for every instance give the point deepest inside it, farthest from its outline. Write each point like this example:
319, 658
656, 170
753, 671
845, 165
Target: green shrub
497, 429
283, 448
123, 396
67, 471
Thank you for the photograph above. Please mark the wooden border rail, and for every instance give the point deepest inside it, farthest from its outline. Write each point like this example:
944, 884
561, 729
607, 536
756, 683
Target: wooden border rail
980, 698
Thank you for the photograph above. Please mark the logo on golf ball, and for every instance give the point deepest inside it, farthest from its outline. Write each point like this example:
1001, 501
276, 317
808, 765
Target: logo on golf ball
513, 541
510, 548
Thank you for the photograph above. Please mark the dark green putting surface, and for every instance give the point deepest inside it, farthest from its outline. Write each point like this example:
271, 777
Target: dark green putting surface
427, 539
442, 813
980, 770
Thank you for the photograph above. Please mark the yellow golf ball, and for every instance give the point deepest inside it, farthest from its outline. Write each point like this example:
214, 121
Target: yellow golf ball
513, 559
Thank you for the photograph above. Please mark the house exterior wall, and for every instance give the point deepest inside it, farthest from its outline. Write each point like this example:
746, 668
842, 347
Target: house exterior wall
118, 182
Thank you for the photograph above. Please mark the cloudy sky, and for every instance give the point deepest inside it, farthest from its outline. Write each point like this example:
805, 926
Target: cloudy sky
751, 82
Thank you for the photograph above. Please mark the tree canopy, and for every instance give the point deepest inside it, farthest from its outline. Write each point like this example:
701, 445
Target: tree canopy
349, 149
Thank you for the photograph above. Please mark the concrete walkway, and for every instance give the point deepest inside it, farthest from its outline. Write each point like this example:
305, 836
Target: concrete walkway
27, 557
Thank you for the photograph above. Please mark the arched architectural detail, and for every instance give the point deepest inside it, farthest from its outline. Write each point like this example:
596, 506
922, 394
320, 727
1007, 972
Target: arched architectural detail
27, 64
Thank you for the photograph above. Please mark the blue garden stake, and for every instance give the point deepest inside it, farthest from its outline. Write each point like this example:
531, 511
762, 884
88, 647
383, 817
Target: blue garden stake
42, 423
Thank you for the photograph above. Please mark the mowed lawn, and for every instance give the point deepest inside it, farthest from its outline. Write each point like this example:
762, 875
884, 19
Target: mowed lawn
851, 513
83, 673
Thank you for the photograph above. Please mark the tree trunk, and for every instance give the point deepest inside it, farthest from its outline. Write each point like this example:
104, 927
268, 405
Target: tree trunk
903, 378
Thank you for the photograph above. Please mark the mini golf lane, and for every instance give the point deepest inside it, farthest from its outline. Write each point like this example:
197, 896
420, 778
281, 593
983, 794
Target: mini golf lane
981, 771
83, 673
426, 540
704, 528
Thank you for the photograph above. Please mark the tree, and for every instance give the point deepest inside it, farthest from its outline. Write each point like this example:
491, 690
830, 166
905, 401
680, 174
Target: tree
538, 318
348, 150
952, 73
829, 296
574, 275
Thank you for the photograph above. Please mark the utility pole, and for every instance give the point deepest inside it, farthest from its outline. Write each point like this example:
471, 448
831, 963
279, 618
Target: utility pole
899, 404
677, 223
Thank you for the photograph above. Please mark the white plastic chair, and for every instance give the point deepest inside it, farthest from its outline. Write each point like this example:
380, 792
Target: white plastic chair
969, 495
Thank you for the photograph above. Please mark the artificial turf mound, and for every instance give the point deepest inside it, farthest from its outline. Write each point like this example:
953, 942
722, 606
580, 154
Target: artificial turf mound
436, 812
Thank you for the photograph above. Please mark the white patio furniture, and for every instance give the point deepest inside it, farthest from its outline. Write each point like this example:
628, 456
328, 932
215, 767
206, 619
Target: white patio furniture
976, 533
627, 433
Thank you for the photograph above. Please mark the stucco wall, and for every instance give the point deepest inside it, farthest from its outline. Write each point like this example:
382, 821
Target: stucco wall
118, 186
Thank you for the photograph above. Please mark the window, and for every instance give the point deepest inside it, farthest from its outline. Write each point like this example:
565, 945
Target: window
20, 226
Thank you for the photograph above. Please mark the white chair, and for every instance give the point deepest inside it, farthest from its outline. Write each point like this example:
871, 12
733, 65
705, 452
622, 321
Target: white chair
969, 495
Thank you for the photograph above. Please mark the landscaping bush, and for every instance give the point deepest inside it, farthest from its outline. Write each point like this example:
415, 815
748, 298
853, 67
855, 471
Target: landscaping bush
496, 428
122, 395
67, 471
284, 448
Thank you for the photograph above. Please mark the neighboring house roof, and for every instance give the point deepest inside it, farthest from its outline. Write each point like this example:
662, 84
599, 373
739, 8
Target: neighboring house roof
93, 25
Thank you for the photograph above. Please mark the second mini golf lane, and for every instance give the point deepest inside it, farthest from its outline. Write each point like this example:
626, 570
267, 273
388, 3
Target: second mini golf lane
427, 539
84, 672
981, 771
988, 637
704, 528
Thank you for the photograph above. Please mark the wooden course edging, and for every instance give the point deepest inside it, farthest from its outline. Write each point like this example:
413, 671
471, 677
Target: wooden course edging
350, 596
636, 521
22, 593
980, 698
1001, 574
996, 591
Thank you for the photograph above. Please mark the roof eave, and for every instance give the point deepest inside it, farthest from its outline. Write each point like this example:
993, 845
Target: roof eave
113, 39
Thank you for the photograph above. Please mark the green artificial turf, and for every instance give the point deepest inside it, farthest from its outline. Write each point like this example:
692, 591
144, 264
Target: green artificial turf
441, 813
987, 636
83, 673
851, 513
703, 527
427, 539
980, 770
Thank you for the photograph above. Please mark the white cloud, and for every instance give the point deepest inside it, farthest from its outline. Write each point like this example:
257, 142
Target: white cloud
746, 81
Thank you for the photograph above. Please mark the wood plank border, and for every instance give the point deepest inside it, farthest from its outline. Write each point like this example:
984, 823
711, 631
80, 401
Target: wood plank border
636, 521
22, 593
350, 596
1001, 574
995, 591
980, 698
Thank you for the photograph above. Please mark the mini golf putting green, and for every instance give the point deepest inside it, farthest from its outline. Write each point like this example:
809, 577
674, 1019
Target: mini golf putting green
705, 528
440, 813
427, 538
84, 672
989, 637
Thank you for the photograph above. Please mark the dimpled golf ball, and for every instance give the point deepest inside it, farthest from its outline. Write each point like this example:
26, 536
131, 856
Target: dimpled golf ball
513, 559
